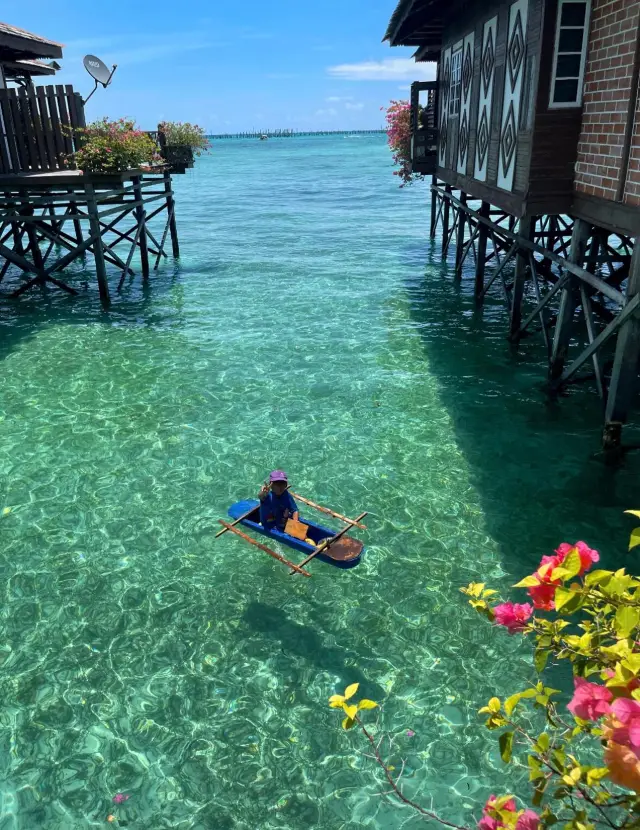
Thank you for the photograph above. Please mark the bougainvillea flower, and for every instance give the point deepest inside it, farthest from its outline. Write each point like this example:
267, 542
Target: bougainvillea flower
625, 725
623, 691
491, 822
588, 556
529, 820
590, 701
512, 615
624, 766
542, 595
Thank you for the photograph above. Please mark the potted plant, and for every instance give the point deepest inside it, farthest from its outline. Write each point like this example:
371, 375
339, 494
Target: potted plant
106, 147
180, 142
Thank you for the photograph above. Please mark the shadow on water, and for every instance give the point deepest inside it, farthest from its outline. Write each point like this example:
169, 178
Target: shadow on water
304, 641
157, 302
535, 463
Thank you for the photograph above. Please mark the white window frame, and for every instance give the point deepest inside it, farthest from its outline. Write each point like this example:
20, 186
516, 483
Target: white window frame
553, 105
457, 50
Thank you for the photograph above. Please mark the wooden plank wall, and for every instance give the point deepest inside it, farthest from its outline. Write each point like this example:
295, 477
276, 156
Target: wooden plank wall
36, 127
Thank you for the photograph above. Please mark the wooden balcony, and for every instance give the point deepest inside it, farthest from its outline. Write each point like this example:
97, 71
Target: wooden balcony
424, 128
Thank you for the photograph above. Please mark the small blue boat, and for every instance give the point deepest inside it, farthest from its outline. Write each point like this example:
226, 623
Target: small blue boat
344, 553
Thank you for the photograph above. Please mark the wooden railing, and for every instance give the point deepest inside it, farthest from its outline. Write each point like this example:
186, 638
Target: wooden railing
36, 128
424, 127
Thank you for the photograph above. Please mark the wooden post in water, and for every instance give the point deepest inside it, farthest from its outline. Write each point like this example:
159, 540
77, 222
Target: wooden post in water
624, 377
483, 232
568, 301
434, 207
98, 250
445, 221
171, 212
525, 229
141, 216
462, 224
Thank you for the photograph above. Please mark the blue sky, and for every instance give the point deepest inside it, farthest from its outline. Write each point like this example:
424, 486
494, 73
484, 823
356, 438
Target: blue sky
231, 65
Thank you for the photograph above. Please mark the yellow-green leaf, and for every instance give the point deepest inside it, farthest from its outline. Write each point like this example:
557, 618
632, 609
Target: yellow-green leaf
527, 582
627, 619
543, 742
350, 711
633, 513
562, 597
596, 774
494, 704
634, 539
347, 723
511, 703
367, 704
573, 563
506, 745
350, 690
336, 701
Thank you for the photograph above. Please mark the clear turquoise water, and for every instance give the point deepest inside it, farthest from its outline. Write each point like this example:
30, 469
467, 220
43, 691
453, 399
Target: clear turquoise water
308, 325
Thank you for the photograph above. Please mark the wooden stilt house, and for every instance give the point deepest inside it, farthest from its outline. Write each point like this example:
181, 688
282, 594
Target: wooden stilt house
531, 133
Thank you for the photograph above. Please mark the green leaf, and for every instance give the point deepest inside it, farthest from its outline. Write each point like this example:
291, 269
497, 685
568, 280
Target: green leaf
597, 577
543, 742
367, 704
494, 704
511, 703
562, 597
633, 513
506, 745
538, 794
540, 659
573, 563
634, 539
596, 774
627, 619
350, 690
527, 582
347, 723
350, 711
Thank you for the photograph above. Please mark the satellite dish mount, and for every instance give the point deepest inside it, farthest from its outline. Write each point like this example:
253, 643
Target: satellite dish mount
99, 72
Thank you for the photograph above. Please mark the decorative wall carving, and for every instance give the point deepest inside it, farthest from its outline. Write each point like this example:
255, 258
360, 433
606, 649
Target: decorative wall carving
465, 103
514, 71
445, 75
485, 98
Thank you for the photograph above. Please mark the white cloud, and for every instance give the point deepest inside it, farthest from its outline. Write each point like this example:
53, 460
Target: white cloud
330, 111
391, 69
336, 98
356, 106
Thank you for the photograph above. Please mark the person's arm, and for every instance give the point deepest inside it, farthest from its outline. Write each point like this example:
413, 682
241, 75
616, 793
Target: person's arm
293, 508
264, 491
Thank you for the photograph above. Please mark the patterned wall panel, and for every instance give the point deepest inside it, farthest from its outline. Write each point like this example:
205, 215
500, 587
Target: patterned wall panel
487, 77
465, 104
445, 78
514, 71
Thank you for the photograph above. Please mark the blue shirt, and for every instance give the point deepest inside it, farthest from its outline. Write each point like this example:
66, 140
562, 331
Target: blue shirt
273, 507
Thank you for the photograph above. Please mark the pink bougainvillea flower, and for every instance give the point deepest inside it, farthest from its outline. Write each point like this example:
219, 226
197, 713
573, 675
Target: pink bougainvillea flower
542, 595
590, 701
588, 556
489, 823
119, 798
624, 727
410, 733
529, 820
624, 767
623, 691
512, 615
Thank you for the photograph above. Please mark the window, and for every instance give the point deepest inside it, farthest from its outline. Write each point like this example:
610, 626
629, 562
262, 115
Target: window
572, 31
455, 83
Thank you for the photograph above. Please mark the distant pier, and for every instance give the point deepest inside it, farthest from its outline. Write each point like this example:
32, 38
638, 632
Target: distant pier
295, 133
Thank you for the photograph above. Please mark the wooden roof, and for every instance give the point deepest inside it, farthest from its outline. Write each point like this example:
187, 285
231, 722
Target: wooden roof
28, 68
421, 23
18, 44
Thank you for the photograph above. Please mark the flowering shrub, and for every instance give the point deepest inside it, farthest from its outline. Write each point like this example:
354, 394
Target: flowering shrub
398, 117
185, 134
112, 146
584, 770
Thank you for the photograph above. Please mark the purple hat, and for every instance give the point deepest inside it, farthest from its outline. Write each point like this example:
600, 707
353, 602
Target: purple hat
278, 475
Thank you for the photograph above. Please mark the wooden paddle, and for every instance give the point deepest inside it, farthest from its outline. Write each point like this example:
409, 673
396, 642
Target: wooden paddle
296, 568
328, 542
329, 512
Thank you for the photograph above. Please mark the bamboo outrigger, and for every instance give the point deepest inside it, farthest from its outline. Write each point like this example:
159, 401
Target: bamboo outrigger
337, 549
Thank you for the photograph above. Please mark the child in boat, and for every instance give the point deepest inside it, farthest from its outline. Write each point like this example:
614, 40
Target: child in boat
276, 503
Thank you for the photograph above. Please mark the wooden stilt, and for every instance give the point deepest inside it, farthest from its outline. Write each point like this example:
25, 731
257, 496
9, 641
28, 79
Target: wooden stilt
526, 230
624, 377
568, 301
77, 227
462, 224
445, 220
434, 208
171, 210
483, 233
98, 250
142, 236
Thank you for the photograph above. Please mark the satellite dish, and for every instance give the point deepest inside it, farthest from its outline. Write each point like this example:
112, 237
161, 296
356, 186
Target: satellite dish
98, 71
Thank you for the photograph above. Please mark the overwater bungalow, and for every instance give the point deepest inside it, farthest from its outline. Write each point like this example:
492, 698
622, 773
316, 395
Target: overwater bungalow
45, 203
531, 134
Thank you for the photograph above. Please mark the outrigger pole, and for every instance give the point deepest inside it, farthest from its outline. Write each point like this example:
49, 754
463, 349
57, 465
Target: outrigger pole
296, 568
327, 543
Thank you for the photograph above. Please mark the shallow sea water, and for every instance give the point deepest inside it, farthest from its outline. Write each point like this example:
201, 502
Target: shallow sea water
308, 325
